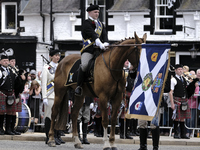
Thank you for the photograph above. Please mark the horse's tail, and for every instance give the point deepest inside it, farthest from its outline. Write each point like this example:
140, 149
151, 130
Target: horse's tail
62, 118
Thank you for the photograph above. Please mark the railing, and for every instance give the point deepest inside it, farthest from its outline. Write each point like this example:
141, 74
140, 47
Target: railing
196, 117
166, 121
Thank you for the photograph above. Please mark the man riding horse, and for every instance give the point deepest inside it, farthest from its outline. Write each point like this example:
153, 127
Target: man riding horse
94, 34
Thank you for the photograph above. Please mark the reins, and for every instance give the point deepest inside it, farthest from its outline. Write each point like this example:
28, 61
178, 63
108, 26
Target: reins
111, 70
109, 66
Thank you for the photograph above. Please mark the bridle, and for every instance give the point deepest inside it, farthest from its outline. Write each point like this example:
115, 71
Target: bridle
119, 70
137, 57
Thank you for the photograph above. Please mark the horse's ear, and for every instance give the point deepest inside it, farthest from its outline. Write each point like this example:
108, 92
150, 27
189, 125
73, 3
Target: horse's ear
138, 40
145, 37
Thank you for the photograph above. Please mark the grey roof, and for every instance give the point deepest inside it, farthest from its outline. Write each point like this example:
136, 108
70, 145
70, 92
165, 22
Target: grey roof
130, 6
189, 5
63, 6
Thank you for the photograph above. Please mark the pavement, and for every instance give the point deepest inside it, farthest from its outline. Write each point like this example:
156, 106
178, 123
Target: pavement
164, 140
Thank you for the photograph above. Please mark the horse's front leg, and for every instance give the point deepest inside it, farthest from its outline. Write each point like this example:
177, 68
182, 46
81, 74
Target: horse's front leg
51, 141
104, 113
115, 107
75, 111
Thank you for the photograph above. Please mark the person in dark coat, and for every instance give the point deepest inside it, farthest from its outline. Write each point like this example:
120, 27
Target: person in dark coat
94, 34
179, 94
18, 87
9, 104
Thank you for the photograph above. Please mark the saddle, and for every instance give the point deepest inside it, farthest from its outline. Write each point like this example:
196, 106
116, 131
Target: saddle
89, 74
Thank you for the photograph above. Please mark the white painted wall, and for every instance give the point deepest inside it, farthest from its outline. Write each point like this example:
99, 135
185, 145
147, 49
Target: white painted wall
124, 25
64, 26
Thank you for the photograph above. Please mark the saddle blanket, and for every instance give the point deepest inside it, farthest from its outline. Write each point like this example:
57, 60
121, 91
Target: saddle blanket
73, 74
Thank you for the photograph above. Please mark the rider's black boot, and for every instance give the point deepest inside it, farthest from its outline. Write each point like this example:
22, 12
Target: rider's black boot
79, 90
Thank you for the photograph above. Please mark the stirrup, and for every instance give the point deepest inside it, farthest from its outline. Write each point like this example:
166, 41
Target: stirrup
78, 91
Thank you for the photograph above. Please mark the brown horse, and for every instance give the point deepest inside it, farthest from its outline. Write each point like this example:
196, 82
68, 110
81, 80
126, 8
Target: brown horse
108, 85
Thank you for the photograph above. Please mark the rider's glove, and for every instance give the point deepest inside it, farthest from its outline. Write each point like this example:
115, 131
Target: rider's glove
106, 44
99, 43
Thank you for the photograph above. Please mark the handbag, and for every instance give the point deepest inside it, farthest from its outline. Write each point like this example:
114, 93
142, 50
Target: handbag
184, 106
10, 100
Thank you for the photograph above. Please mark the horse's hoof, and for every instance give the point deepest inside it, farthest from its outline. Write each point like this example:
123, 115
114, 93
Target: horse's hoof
51, 144
113, 148
78, 146
107, 148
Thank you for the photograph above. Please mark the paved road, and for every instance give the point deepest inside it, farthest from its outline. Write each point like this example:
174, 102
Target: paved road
39, 145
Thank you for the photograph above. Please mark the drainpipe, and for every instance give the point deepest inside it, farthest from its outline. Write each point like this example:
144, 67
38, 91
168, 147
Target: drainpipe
51, 23
43, 21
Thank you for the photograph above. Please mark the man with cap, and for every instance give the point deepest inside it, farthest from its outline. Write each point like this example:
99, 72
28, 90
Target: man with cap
33, 75
12, 64
48, 74
12, 61
18, 88
94, 34
179, 100
7, 97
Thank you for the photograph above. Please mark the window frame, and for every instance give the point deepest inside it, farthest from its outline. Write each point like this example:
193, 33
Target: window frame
159, 17
3, 17
87, 4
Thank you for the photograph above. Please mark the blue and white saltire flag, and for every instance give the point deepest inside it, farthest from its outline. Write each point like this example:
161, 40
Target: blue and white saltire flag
148, 87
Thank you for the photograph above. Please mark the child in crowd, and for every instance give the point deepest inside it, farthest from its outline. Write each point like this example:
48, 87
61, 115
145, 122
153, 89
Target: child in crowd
35, 100
25, 93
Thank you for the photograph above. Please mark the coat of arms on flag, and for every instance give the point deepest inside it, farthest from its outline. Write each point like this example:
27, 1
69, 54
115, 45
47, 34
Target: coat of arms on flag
148, 87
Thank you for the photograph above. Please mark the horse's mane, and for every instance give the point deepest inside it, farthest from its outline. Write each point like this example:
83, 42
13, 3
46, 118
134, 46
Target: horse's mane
121, 42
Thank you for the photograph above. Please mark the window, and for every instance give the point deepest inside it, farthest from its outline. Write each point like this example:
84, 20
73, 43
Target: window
163, 16
9, 17
182, 57
102, 5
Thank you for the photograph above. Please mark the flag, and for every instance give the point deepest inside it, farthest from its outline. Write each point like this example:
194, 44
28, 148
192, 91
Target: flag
148, 87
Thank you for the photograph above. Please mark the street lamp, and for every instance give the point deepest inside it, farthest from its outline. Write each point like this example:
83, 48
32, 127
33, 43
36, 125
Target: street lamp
193, 52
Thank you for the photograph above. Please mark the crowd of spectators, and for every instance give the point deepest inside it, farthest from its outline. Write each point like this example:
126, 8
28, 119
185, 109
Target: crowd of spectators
32, 96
